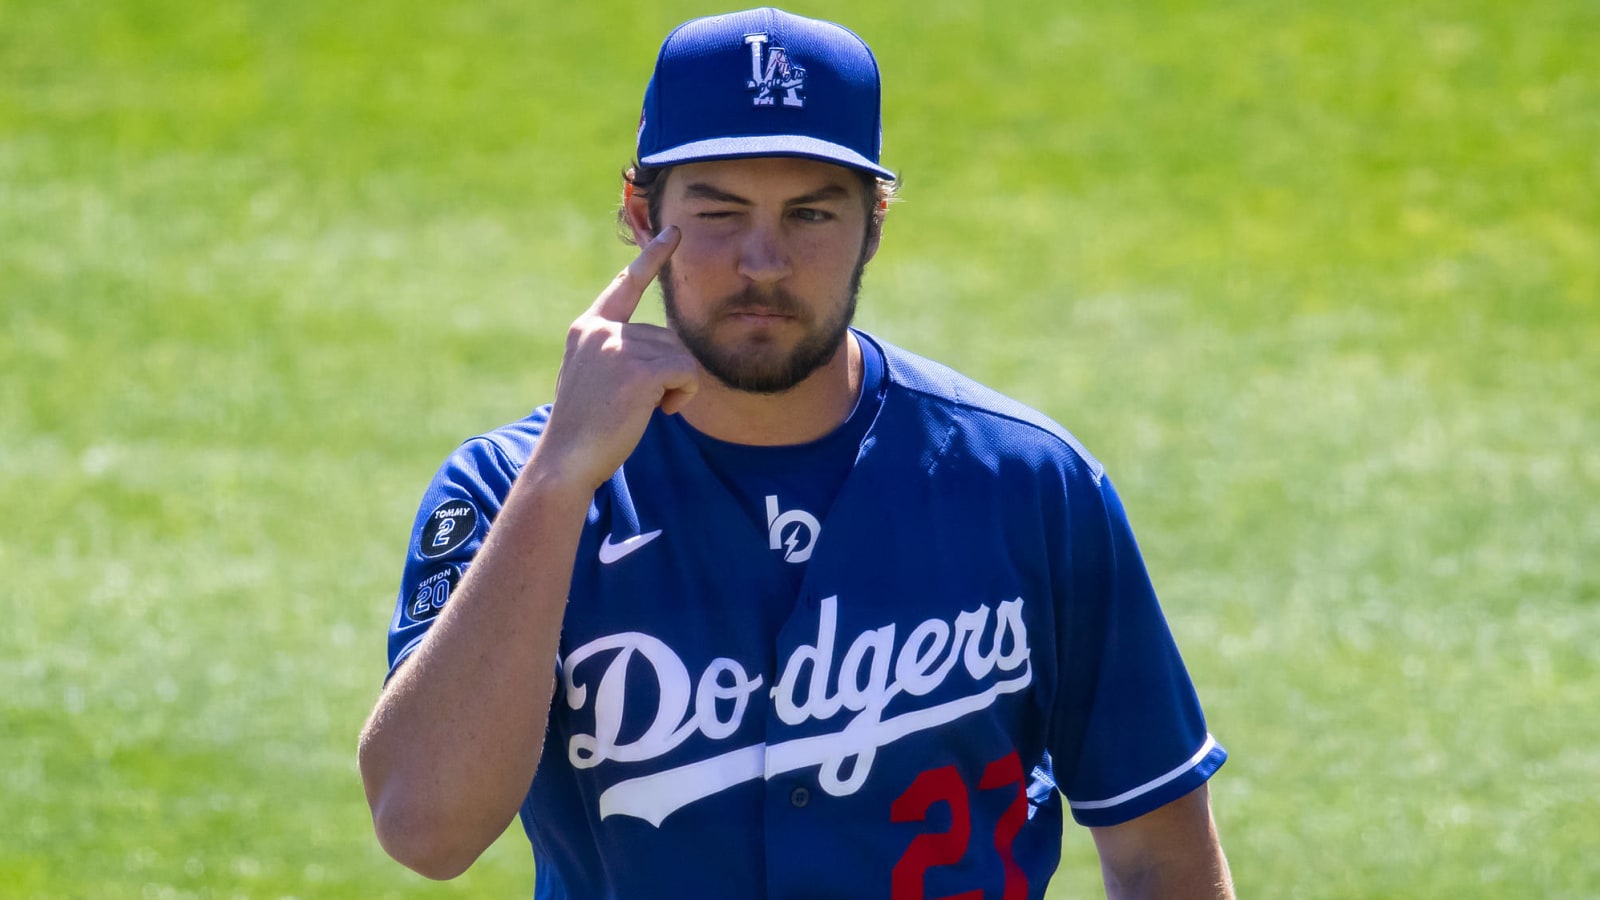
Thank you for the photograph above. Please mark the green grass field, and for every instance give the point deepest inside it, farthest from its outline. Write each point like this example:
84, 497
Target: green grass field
1320, 285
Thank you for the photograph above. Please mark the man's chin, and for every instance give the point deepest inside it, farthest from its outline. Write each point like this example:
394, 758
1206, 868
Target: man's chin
754, 376
761, 359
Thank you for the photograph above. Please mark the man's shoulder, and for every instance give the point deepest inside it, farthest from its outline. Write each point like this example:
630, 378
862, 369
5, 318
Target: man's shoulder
982, 412
506, 448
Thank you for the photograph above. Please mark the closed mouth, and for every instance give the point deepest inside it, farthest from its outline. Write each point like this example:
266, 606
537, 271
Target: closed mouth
756, 313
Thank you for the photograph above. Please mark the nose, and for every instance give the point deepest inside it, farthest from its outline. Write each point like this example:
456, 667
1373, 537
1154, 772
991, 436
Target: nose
763, 257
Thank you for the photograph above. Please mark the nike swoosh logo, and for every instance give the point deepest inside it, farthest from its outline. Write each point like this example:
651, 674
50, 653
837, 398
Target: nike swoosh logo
611, 552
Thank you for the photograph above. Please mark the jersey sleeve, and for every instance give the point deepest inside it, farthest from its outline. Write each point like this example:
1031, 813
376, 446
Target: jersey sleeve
1129, 734
452, 521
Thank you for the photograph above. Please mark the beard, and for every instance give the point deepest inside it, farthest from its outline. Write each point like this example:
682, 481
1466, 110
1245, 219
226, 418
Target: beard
760, 367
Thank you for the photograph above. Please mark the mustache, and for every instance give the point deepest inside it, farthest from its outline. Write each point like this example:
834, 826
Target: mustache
776, 301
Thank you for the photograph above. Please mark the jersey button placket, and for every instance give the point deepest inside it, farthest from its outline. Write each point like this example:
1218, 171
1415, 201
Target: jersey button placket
792, 805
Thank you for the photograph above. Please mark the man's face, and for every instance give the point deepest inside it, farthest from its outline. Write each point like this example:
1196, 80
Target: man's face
762, 287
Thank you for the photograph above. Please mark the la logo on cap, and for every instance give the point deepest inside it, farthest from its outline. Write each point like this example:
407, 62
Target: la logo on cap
774, 73
718, 79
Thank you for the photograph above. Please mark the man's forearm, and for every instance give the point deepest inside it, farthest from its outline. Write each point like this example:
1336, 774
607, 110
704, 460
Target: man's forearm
1170, 853
1203, 876
449, 751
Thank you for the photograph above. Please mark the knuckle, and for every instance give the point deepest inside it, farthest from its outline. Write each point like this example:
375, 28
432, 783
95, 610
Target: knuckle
588, 331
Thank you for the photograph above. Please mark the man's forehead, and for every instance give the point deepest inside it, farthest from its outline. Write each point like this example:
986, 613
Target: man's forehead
765, 178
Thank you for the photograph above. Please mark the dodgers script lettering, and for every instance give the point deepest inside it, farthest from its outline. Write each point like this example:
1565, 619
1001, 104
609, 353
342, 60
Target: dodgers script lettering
990, 646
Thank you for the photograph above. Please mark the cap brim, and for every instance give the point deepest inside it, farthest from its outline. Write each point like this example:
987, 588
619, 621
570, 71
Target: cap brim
765, 145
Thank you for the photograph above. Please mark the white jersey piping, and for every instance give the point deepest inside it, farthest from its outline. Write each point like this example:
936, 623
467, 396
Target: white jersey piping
1148, 786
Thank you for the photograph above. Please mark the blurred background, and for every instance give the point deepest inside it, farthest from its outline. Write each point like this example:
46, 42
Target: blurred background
1319, 284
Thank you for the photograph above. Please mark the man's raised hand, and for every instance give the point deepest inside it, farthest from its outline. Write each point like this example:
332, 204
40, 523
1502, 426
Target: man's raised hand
613, 376
619, 300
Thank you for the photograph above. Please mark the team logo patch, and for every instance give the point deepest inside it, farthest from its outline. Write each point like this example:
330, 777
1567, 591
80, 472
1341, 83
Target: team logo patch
794, 532
771, 71
450, 525
432, 592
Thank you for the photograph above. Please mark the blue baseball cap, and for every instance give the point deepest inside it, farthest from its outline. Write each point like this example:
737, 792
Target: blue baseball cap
763, 82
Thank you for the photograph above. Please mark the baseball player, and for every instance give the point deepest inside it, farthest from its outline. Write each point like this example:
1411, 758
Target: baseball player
762, 605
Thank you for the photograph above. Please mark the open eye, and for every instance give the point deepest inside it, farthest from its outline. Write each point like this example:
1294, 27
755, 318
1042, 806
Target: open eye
812, 214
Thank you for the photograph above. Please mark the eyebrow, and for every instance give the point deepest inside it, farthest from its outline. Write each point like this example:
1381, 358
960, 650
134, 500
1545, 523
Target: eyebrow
702, 191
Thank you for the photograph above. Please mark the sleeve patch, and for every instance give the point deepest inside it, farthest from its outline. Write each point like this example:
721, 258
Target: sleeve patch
432, 593
450, 525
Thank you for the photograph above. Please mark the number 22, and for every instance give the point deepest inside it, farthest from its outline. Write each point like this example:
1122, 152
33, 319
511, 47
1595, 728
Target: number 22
948, 847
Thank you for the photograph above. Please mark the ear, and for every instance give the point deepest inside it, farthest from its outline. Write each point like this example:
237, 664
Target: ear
875, 232
637, 210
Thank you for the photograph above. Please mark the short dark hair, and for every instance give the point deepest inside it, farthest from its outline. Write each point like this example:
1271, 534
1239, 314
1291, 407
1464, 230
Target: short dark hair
649, 181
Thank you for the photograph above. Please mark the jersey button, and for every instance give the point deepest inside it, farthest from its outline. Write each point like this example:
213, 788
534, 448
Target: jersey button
799, 797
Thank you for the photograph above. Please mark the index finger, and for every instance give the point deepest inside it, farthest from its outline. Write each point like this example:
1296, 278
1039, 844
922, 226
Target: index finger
621, 297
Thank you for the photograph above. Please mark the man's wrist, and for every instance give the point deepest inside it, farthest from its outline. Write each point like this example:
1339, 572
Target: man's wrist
556, 487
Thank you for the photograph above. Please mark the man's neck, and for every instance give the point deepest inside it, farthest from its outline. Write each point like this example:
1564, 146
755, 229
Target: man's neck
811, 409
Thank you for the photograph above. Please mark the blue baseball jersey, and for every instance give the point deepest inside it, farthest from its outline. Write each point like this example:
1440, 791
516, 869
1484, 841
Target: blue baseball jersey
880, 686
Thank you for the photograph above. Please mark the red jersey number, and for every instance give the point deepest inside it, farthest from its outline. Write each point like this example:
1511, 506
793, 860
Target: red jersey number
946, 848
